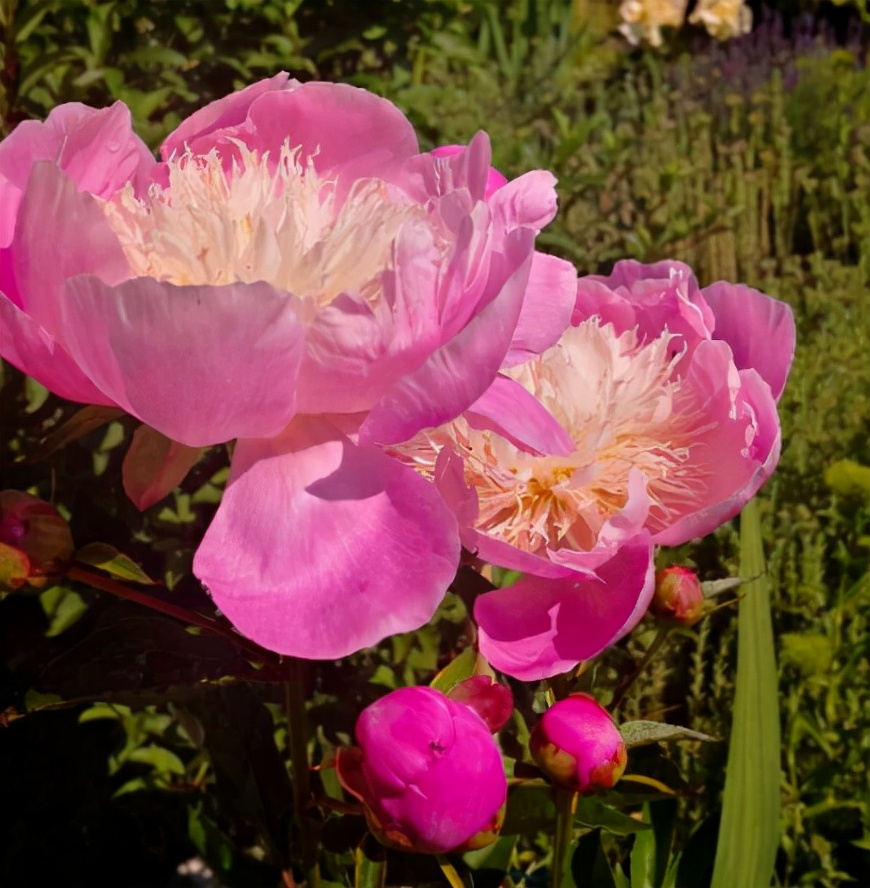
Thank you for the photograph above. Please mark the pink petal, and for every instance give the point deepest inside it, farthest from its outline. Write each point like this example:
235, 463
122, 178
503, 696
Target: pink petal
539, 628
494, 179
547, 308
154, 466
201, 364
528, 201
62, 233
96, 148
738, 455
354, 352
26, 345
514, 413
458, 373
321, 548
227, 114
760, 330
343, 129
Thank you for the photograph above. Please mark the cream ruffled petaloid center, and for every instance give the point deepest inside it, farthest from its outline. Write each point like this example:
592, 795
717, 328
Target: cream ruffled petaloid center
623, 407
259, 220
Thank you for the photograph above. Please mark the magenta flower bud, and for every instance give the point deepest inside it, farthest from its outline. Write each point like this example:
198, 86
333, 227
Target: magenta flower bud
427, 771
492, 701
678, 598
578, 746
35, 541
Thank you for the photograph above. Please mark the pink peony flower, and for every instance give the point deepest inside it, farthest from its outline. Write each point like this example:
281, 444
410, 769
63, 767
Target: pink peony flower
427, 771
292, 274
578, 746
652, 420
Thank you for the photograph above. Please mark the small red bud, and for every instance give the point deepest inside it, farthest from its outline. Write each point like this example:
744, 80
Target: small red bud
35, 541
678, 598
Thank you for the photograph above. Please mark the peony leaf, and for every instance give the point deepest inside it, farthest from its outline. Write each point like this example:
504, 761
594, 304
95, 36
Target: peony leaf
749, 831
81, 423
642, 733
154, 466
113, 562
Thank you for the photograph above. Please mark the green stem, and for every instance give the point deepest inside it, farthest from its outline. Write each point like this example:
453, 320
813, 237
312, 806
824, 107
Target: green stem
453, 877
649, 654
564, 835
297, 741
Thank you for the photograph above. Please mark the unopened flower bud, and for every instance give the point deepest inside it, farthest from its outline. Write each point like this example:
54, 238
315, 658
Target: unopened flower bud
678, 598
578, 746
427, 771
35, 540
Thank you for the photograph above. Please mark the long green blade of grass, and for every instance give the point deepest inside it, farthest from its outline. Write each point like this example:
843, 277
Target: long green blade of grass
749, 832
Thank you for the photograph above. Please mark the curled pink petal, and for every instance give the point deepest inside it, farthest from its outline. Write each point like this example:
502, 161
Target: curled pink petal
759, 330
226, 116
97, 149
408, 406
507, 408
26, 345
547, 308
320, 548
494, 179
538, 628
179, 360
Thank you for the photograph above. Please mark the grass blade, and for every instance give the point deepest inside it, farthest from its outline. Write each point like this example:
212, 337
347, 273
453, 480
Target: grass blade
749, 832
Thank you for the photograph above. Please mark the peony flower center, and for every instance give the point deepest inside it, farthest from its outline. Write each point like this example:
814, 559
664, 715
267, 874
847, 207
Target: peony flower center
624, 409
260, 221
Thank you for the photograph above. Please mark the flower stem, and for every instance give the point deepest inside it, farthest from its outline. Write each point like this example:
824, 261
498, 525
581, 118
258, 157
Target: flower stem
563, 836
649, 654
192, 618
449, 871
297, 741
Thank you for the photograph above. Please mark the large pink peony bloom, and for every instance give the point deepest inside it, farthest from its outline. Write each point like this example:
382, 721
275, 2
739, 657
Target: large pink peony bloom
666, 397
427, 770
292, 274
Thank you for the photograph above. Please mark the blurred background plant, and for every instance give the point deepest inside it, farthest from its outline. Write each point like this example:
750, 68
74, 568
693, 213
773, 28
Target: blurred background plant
748, 158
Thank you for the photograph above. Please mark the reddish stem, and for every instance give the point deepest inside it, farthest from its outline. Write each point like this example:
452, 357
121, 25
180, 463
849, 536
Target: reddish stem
192, 618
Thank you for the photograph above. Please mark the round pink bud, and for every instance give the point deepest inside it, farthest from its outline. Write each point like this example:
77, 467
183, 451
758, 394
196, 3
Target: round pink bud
427, 771
492, 701
35, 541
578, 746
678, 598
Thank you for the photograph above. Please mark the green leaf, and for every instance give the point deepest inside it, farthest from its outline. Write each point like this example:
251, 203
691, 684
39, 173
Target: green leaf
369, 865
749, 831
594, 813
163, 761
79, 424
154, 466
530, 809
642, 733
113, 562
643, 857
63, 607
456, 670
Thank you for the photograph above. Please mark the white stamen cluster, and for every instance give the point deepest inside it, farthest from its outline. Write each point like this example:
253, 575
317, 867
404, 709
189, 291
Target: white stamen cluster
256, 219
